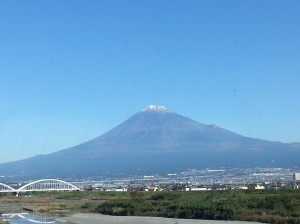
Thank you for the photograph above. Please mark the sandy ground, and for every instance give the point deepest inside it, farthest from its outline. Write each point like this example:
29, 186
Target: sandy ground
86, 218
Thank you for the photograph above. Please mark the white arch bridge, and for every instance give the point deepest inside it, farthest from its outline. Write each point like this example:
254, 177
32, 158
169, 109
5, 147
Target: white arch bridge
40, 185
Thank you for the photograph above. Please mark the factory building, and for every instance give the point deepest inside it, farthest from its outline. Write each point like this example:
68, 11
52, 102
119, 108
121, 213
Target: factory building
296, 176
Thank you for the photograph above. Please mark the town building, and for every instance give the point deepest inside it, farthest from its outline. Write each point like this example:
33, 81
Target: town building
296, 176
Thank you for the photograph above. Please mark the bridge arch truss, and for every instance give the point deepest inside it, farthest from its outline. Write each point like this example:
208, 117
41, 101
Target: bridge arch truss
48, 185
41, 185
6, 188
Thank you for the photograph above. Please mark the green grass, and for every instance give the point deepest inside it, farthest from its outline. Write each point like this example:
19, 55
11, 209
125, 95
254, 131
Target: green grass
264, 206
86, 195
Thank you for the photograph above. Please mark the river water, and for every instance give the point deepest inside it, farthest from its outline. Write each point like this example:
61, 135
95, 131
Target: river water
26, 218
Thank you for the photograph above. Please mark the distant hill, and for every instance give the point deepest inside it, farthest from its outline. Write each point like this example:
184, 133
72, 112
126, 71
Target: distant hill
156, 140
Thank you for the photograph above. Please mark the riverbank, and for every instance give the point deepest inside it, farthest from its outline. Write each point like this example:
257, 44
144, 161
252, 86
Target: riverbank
3, 222
267, 206
84, 218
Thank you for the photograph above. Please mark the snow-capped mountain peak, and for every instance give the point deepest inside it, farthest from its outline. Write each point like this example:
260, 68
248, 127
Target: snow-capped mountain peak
155, 108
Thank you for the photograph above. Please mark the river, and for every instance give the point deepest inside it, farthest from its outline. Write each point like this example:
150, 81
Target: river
26, 218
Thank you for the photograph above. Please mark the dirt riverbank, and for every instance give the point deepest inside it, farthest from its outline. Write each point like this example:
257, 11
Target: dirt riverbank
12, 204
84, 218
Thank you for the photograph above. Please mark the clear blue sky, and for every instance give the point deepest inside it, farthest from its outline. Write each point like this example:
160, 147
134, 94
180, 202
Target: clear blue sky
71, 70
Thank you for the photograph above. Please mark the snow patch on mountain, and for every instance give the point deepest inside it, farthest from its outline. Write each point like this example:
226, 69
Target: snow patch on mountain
155, 108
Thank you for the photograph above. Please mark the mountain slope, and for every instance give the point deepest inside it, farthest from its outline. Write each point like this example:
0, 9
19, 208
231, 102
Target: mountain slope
156, 140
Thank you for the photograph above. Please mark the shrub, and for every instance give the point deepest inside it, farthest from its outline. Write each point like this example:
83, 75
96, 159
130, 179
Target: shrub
158, 197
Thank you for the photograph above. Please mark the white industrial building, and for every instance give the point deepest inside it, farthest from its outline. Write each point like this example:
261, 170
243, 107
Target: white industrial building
296, 176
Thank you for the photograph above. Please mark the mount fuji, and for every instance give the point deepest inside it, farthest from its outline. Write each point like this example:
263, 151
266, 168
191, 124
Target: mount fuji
156, 140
